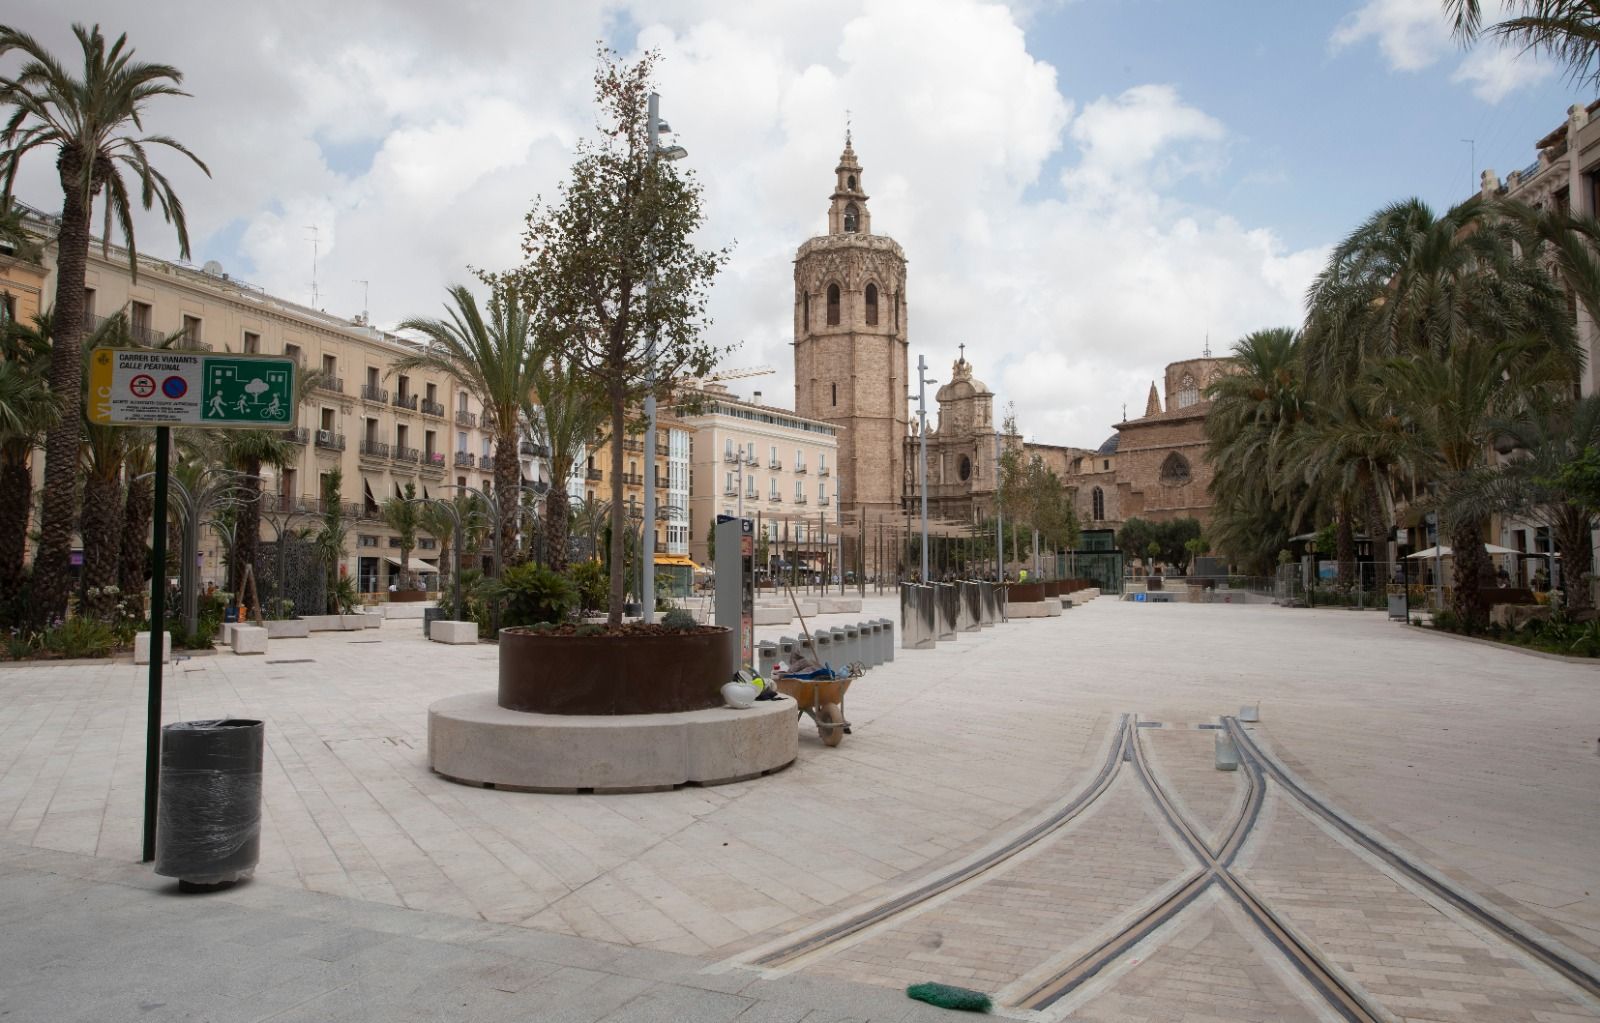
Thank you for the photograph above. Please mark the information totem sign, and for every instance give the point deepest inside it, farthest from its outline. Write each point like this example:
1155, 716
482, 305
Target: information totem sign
735, 566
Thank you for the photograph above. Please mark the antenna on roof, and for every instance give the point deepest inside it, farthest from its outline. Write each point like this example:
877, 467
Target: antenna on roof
314, 240
366, 292
1207, 350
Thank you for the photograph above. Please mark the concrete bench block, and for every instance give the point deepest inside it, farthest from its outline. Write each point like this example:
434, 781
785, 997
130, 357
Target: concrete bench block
1052, 607
773, 615
808, 608
371, 619
1026, 609
289, 628
454, 633
838, 605
404, 610
141, 648
249, 639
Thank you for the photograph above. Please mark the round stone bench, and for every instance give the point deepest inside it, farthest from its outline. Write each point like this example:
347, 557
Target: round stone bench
475, 741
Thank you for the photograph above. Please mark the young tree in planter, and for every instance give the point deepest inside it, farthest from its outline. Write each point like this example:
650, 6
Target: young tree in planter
402, 514
614, 264
565, 417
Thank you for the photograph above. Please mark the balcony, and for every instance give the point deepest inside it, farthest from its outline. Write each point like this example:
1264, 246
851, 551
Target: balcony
663, 514
298, 435
592, 475
467, 419
633, 446
731, 457
776, 498
406, 401
824, 471
464, 459
411, 455
432, 408
533, 450
330, 441
372, 392
730, 492
374, 449
799, 499
333, 385
486, 461
800, 469
632, 479
433, 462
776, 463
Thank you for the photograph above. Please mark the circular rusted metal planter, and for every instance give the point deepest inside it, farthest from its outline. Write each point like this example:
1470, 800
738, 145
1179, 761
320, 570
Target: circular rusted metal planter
407, 596
664, 674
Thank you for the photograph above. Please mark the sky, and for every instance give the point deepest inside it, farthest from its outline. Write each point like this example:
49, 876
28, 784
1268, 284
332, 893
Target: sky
1086, 190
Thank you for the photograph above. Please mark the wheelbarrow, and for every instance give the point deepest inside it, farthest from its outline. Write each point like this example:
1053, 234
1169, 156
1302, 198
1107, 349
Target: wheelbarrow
820, 694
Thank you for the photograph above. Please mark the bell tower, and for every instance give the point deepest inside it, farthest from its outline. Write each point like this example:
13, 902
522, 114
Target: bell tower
850, 343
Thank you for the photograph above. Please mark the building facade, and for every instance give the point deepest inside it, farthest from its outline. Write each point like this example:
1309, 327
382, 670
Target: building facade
850, 344
383, 430
962, 445
763, 463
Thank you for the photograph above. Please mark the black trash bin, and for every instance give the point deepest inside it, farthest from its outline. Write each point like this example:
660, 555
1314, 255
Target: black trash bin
429, 616
208, 821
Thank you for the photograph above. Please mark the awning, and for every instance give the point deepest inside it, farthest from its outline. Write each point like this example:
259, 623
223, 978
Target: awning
417, 565
676, 559
1444, 552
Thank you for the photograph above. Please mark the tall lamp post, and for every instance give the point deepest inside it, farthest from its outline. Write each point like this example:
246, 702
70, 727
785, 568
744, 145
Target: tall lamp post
923, 380
655, 127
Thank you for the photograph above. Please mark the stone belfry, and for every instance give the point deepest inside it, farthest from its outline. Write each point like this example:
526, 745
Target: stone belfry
850, 346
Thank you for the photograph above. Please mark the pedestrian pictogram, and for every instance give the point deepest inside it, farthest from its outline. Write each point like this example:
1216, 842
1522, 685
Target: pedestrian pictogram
196, 389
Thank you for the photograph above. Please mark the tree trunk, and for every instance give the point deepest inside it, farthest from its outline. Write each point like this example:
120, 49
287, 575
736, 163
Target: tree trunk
619, 512
1571, 534
557, 509
101, 528
16, 504
1344, 548
134, 550
1471, 574
507, 476
246, 527
52, 571
1378, 531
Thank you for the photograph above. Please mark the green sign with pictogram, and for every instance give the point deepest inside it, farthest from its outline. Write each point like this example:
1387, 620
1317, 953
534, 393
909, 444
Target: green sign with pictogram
164, 387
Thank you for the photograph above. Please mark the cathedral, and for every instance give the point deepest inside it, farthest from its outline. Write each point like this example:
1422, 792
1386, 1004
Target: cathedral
851, 370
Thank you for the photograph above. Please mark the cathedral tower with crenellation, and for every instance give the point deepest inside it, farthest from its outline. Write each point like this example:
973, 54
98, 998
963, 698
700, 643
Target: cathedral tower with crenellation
850, 346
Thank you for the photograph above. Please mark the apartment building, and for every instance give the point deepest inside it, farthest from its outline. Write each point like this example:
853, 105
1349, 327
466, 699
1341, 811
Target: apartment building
766, 464
384, 430
591, 481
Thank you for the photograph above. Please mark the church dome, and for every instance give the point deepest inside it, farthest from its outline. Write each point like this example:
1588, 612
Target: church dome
1110, 446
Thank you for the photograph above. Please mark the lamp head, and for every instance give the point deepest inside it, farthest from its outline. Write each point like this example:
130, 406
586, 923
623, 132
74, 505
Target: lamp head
671, 153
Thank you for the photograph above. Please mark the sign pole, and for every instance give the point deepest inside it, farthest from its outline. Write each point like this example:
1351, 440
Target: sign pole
158, 645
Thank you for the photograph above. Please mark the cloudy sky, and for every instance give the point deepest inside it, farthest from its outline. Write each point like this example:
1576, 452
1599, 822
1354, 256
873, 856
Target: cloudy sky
1086, 189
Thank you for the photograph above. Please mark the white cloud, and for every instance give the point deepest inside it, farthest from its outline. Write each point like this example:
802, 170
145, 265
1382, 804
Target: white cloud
1413, 35
1072, 291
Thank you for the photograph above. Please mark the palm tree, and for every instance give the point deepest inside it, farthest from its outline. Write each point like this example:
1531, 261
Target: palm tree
436, 520
1255, 413
331, 537
401, 514
86, 120
1568, 30
1530, 483
497, 360
27, 408
565, 418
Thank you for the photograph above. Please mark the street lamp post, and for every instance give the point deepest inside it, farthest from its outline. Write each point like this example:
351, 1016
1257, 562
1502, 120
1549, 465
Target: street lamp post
655, 127
922, 453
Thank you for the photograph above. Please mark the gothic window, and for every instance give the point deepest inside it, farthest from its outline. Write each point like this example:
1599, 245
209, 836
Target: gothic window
1188, 391
1099, 498
850, 217
851, 182
833, 305
966, 468
1175, 470
872, 305
805, 311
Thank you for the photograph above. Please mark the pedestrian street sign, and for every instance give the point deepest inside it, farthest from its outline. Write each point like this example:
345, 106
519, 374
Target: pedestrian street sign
169, 387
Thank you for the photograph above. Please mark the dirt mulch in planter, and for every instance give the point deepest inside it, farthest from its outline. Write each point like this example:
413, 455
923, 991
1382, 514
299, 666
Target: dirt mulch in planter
625, 629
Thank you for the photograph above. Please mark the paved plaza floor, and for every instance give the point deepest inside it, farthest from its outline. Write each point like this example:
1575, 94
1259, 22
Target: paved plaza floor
1031, 810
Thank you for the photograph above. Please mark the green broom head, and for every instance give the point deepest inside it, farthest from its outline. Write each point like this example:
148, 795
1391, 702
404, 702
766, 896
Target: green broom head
947, 997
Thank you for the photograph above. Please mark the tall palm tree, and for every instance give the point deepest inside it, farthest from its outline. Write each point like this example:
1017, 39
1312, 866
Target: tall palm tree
565, 417
27, 408
497, 360
436, 520
85, 120
1255, 414
1568, 30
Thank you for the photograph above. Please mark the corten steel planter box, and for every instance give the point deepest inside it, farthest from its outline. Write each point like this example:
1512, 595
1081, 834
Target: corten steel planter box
407, 596
1025, 593
663, 674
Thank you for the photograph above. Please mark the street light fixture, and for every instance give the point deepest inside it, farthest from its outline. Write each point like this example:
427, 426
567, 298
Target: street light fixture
923, 380
655, 127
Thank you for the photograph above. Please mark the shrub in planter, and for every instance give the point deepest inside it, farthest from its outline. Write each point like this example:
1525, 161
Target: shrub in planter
80, 637
593, 588
532, 593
